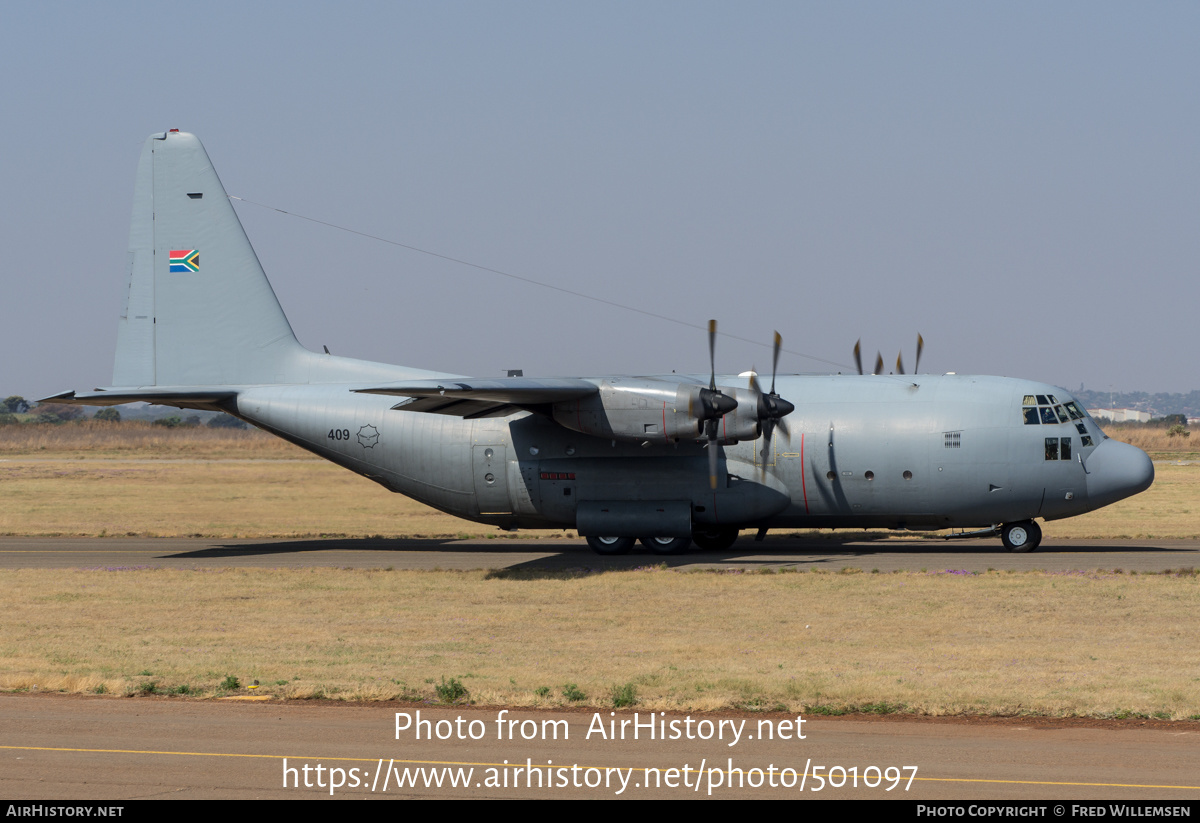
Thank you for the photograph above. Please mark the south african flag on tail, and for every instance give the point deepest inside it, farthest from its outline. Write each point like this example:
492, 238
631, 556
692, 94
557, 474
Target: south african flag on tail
185, 260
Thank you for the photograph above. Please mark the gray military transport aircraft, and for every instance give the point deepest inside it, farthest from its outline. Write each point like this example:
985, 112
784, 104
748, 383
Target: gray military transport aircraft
671, 460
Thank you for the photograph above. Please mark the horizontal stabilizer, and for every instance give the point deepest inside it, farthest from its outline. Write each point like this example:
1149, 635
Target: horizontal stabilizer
209, 398
495, 397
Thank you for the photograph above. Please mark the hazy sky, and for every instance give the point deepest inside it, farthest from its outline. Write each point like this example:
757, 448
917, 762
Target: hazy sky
1019, 182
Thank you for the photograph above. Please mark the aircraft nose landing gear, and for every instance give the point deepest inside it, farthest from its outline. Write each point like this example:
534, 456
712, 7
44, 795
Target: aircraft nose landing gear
1023, 536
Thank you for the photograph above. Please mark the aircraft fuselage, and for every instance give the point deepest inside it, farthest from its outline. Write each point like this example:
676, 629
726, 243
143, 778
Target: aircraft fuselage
916, 452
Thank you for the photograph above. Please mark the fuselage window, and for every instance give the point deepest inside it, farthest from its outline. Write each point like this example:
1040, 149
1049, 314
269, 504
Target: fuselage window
1031, 415
1051, 448
1064, 452
1086, 440
1079, 427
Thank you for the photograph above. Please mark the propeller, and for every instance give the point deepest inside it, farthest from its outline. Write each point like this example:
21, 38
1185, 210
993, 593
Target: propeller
713, 405
879, 358
858, 359
771, 407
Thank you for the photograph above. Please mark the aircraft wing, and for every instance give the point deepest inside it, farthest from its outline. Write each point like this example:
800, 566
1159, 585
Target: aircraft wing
471, 398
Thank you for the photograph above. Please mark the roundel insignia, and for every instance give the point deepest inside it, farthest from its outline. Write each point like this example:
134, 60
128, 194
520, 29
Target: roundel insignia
368, 436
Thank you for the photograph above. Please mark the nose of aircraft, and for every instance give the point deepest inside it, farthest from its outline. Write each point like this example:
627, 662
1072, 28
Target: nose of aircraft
1116, 471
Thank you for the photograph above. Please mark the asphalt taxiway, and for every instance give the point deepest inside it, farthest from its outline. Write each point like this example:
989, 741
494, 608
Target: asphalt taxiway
84, 748
515, 553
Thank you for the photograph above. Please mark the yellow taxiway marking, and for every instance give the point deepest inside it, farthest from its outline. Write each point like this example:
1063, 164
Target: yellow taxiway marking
549, 766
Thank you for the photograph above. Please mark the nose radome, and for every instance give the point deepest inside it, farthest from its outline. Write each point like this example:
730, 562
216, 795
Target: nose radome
1116, 471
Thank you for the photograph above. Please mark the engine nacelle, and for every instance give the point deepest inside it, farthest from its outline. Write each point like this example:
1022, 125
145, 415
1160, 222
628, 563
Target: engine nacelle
641, 410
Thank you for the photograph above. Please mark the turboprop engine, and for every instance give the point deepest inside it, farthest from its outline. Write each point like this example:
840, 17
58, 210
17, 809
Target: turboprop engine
647, 411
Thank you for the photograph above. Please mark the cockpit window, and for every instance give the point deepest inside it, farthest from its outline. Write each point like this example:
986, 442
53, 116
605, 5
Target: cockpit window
1051, 448
1045, 409
1058, 448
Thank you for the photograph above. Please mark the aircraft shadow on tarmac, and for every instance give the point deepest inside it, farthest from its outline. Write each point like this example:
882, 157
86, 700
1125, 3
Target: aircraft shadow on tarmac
804, 553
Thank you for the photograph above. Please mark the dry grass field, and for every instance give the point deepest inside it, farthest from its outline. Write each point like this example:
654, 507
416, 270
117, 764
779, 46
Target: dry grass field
1071, 644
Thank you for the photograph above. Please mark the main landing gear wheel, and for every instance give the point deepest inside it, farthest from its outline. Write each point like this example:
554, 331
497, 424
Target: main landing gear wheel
715, 540
1021, 537
610, 545
667, 545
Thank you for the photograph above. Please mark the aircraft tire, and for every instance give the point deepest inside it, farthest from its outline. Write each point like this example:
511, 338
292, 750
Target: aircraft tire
715, 540
610, 545
1024, 536
667, 545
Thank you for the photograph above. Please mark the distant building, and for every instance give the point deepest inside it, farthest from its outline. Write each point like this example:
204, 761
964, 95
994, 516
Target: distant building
1121, 415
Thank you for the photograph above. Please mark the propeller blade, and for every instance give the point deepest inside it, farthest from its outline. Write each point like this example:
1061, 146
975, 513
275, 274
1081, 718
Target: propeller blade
712, 355
858, 355
878, 363
775, 359
765, 454
711, 426
920, 346
899, 363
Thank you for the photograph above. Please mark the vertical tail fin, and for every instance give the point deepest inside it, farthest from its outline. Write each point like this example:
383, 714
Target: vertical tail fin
199, 309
